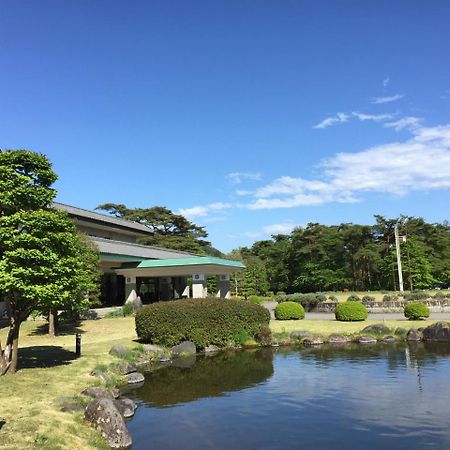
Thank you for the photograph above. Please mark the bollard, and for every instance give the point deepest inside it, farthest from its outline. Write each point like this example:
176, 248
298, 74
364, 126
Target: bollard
78, 345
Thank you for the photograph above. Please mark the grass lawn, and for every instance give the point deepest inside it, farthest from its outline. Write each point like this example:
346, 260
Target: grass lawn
327, 327
47, 371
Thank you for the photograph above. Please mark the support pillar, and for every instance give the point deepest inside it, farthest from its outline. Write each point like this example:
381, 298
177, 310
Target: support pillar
223, 286
130, 289
199, 289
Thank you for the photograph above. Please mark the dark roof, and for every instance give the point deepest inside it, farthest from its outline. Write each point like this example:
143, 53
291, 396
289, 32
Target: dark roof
92, 216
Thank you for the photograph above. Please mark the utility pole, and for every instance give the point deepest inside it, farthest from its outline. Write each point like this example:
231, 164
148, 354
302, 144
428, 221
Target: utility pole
399, 259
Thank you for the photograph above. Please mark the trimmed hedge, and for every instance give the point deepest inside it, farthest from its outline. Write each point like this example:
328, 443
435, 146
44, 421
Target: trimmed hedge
353, 298
351, 312
204, 321
416, 311
308, 301
289, 311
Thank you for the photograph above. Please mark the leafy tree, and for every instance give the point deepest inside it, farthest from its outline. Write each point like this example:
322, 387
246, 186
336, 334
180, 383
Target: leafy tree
44, 263
169, 230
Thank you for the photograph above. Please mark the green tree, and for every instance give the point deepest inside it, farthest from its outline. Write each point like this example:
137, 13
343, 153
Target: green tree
44, 263
169, 230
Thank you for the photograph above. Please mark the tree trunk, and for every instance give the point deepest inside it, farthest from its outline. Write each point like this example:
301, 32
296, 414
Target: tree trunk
10, 354
51, 323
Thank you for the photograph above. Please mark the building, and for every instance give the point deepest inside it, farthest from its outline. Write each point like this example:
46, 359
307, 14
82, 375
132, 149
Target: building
153, 273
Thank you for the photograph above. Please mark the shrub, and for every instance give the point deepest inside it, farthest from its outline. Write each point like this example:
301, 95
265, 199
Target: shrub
264, 335
416, 311
204, 321
368, 298
350, 312
289, 311
353, 298
127, 309
389, 298
333, 298
441, 295
415, 296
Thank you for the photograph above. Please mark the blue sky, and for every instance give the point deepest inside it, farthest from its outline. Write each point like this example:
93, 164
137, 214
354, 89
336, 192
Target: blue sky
250, 117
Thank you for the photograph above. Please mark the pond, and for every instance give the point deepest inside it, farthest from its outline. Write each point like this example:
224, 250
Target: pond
371, 397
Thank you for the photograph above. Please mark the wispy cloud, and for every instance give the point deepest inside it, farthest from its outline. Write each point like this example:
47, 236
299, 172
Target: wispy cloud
386, 81
405, 122
420, 163
388, 99
338, 118
239, 177
345, 117
279, 228
203, 211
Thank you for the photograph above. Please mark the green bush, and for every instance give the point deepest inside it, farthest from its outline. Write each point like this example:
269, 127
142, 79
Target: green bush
416, 311
415, 296
389, 298
368, 298
203, 321
308, 301
289, 311
351, 312
127, 309
441, 295
353, 298
333, 298
257, 299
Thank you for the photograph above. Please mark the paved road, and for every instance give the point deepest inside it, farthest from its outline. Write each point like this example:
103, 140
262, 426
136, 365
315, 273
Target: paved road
376, 316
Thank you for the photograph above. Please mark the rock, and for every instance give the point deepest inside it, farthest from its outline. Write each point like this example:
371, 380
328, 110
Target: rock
100, 374
72, 408
126, 407
118, 350
300, 334
125, 368
364, 339
98, 392
184, 349
389, 339
438, 332
376, 328
104, 415
313, 340
150, 348
164, 359
338, 339
414, 335
137, 304
211, 349
135, 378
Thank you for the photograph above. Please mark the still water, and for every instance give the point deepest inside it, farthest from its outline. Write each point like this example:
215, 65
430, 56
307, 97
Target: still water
362, 397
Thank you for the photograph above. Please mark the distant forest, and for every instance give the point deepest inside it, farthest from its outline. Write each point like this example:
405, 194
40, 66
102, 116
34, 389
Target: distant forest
357, 257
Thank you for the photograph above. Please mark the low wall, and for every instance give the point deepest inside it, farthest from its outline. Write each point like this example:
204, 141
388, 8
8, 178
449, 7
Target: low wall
388, 307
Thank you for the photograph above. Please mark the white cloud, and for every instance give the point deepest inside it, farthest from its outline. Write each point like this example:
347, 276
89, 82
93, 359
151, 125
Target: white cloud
242, 192
203, 211
239, 177
405, 122
420, 163
279, 228
389, 99
386, 81
373, 117
338, 118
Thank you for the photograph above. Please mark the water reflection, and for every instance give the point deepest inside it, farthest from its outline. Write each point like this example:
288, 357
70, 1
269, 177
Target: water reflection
380, 396
209, 377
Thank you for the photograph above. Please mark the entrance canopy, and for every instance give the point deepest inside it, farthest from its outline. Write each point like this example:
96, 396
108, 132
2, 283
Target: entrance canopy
180, 267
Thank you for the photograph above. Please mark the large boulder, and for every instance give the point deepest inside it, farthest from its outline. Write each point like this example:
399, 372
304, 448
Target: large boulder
338, 339
126, 407
104, 415
98, 392
118, 350
376, 328
364, 339
414, 335
438, 332
313, 340
186, 348
135, 378
125, 368
389, 339
211, 349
